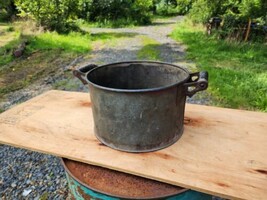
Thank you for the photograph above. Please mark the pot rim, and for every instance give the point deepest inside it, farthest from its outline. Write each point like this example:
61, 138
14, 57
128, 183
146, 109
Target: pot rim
62, 160
138, 90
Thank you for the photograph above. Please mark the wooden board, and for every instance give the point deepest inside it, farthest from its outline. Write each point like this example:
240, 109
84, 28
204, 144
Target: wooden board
222, 151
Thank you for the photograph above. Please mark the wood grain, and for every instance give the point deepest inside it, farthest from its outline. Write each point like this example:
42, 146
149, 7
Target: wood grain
222, 151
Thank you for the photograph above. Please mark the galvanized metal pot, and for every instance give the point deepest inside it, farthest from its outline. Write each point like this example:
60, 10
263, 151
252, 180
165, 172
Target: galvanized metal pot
92, 182
138, 106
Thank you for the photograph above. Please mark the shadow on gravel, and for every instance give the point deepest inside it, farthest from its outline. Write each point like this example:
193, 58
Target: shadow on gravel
161, 23
158, 52
112, 35
165, 52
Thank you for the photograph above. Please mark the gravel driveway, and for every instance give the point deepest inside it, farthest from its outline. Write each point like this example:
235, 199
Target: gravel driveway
29, 175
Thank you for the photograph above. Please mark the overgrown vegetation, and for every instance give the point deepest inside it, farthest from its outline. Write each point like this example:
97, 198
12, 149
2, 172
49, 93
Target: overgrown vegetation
242, 20
203, 10
73, 42
45, 53
61, 15
13, 36
9, 38
117, 12
7, 10
238, 71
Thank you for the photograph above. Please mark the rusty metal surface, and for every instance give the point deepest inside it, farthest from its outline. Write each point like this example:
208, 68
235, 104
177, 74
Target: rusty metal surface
115, 184
139, 106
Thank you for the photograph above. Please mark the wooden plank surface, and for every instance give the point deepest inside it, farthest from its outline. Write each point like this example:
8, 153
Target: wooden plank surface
222, 151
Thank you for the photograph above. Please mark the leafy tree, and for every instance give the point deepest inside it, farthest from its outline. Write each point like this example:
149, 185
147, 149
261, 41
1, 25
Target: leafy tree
166, 7
141, 11
84, 7
53, 15
202, 10
184, 6
113, 10
7, 10
240, 17
172, 3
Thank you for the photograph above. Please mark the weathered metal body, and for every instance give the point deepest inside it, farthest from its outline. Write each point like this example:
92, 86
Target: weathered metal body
79, 190
139, 106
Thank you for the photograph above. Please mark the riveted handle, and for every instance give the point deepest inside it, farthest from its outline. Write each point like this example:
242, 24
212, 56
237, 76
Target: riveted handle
82, 71
198, 81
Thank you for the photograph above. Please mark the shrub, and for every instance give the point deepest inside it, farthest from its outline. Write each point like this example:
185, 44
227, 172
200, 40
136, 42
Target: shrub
54, 15
7, 10
104, 11
242, 20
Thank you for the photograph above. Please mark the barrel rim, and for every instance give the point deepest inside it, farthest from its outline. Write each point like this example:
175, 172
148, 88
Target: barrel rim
138, 90
109, 194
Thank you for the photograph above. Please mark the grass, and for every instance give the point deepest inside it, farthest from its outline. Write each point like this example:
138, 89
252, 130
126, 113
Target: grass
150, 51
110, 39
24, 71
238, 71
73, 42
46, 52
8, 39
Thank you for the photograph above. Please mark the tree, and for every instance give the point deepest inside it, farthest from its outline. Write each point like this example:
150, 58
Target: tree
202, 10
127, 10
53, 15
240, 17
7, 10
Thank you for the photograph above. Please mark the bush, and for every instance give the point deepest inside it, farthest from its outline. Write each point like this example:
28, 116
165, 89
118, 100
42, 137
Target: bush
171, 7
184, 6
7, 10
201, 12
238, 70
141, 11
242, 20
137, 12
53, 15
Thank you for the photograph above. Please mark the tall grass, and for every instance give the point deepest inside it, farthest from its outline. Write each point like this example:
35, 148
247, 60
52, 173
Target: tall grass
9, 38
238, 71
73, 42
45, 53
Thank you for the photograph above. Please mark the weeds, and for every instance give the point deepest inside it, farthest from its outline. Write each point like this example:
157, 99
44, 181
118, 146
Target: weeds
73, 42
46, 52
8, 43
238, 71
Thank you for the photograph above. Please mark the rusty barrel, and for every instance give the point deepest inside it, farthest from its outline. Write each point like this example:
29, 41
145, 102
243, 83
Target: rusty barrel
92, 182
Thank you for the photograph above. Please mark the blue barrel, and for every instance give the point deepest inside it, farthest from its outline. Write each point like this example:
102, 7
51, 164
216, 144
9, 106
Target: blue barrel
97, 183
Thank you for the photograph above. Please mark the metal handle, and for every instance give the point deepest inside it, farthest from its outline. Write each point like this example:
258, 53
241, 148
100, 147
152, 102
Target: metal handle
82, 71
198, 81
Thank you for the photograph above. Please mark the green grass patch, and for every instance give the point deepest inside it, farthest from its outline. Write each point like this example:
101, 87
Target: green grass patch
46, 52
109, 39
23, 72
7, 43
238, 71
72, 42
150, 50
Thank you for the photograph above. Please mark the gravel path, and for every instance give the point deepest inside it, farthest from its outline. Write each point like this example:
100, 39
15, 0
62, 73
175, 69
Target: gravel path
30, 175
